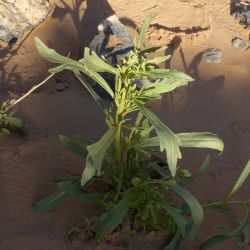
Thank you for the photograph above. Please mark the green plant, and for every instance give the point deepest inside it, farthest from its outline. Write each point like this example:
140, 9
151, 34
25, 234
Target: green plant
7, 120
137, 185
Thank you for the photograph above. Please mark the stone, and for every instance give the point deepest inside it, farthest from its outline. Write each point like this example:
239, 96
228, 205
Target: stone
239, 43
113, 43
17, 16
241, 11
212, 55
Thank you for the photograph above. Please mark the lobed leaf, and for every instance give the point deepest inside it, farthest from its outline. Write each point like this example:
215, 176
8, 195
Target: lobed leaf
200, 140
97, 64
158, 60
96, 153
67, 63
167, 139
161, 87
53, 56
114, 217
169, 74
147, 143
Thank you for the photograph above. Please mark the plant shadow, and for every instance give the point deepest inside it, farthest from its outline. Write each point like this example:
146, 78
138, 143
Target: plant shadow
177, 100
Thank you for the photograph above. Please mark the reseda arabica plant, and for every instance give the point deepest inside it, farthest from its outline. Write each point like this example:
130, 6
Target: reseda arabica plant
138, 185
8, 121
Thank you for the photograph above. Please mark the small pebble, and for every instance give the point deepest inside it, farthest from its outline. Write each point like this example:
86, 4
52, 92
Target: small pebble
239, 43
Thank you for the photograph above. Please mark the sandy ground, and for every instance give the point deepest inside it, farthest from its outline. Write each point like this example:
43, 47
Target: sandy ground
218, 101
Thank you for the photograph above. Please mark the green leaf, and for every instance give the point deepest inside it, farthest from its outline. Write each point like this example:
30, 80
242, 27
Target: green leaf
143, 31
96, 153
147, 143
213, 241
53, 56
67, 63
169, 74
81, 140
84, 195
59, 68
161, 87
167, 139
138, 119
201, 170
73, 146
98, 79
114, 217
158, 60
243, 176
194, 206
200, 140
177, 217
71, 188
195, 140
91, 198
97, 64
178, 240
152, 50
4, 132
147, 129
160, 170
50, 202
16, 122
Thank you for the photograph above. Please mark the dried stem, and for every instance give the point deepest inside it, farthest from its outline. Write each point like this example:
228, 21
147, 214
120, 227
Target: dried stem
30, 91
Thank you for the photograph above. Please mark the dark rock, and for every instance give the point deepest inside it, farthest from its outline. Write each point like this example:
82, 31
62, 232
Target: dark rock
113, 43
241, 11
212, 55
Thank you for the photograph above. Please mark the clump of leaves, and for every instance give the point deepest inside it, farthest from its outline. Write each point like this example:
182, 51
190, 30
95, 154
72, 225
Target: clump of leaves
7, 120
136, 187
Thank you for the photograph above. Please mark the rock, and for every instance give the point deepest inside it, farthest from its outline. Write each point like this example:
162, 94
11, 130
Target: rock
113, 43
17, 16
239, 43
212, 55
241, 11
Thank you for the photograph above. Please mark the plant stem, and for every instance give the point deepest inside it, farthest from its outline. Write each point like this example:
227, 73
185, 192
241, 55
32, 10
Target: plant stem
118, 144
29, 92
217, 204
